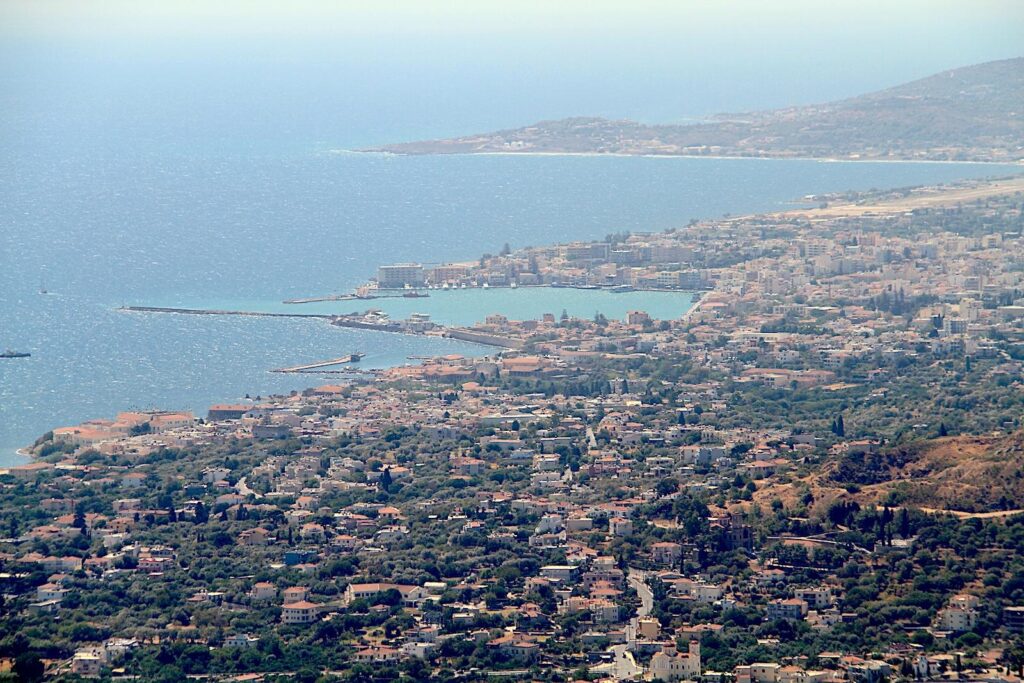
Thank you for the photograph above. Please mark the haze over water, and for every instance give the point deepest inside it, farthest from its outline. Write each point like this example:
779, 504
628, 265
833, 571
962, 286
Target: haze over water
178, 167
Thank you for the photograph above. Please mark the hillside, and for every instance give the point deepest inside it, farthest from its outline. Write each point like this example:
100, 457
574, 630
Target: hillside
972, 474
972, 113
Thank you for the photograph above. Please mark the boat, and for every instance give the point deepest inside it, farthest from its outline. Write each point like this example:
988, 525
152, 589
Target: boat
14, 354
619, 289
356, 357
415, 295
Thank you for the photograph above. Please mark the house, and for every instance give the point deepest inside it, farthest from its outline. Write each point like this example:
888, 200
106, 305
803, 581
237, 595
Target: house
86, 664
51, 591
669, 665
957, 619
1013, 619
759, 672
620, 526
377, 654
244, 640
301, 612
566, 573
133, 480
516, 646
819, 597
412, 596
666, 553
226, 412
793, 608
254, 537
263, 590
294, 594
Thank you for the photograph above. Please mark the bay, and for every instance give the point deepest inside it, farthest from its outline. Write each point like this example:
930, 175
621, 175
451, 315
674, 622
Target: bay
101, 226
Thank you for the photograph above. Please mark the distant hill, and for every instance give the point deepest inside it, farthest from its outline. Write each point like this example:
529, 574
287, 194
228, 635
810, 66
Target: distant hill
973, 113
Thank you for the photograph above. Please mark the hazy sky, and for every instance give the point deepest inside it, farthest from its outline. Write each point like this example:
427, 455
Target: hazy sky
353, 72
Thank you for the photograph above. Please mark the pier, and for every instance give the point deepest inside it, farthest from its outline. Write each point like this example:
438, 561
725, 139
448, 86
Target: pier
209, 311
350, 358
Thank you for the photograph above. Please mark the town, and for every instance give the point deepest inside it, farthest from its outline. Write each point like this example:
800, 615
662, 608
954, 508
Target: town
811, 476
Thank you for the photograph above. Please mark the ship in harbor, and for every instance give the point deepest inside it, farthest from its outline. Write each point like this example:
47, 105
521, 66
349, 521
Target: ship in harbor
14, 354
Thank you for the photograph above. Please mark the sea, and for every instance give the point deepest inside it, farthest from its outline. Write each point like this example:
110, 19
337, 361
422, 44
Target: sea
100, 226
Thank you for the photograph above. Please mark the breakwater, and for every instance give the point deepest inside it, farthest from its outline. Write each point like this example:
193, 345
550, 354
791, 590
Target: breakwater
213, 311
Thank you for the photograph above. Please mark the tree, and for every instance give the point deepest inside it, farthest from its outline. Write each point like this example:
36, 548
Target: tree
202, 514
29, 667
385, 480
667, 486
840, 427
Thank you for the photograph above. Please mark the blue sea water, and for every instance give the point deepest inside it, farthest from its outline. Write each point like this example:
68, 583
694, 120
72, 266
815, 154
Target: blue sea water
105, 225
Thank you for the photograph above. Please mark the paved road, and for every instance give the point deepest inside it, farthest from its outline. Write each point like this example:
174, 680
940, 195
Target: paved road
624, 666
243, 488
637, 579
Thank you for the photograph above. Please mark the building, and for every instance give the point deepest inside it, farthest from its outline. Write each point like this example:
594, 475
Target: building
816, 598
86, 664
243, 640
263, 590
301, 612
1013, 619
620, 526
377, 654
669, 665
637, 318
794, 608
226, 412
400, 275
666, 553
412, 596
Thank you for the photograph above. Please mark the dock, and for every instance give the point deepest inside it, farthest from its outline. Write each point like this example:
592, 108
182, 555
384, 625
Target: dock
308, 367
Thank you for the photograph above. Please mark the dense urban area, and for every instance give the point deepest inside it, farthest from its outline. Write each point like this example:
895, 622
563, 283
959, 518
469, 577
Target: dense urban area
814, 475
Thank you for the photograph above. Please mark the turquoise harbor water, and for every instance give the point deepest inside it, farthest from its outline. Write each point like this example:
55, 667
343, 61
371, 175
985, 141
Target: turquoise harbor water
101, 225
471, 305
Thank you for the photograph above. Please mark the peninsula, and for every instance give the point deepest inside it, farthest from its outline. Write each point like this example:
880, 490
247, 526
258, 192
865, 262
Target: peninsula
974, 113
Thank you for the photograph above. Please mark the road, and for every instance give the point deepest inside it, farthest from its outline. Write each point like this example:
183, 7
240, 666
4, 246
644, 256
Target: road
624, 667
243, 488
638, 580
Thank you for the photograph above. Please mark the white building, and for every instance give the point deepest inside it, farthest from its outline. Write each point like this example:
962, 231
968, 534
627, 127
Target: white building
669, 665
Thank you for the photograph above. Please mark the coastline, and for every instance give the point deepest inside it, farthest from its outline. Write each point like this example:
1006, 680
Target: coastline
650, 155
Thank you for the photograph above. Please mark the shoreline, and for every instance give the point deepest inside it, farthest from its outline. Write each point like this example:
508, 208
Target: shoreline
650, 155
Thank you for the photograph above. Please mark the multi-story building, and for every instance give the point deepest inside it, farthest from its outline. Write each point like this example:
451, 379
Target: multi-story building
399, 275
